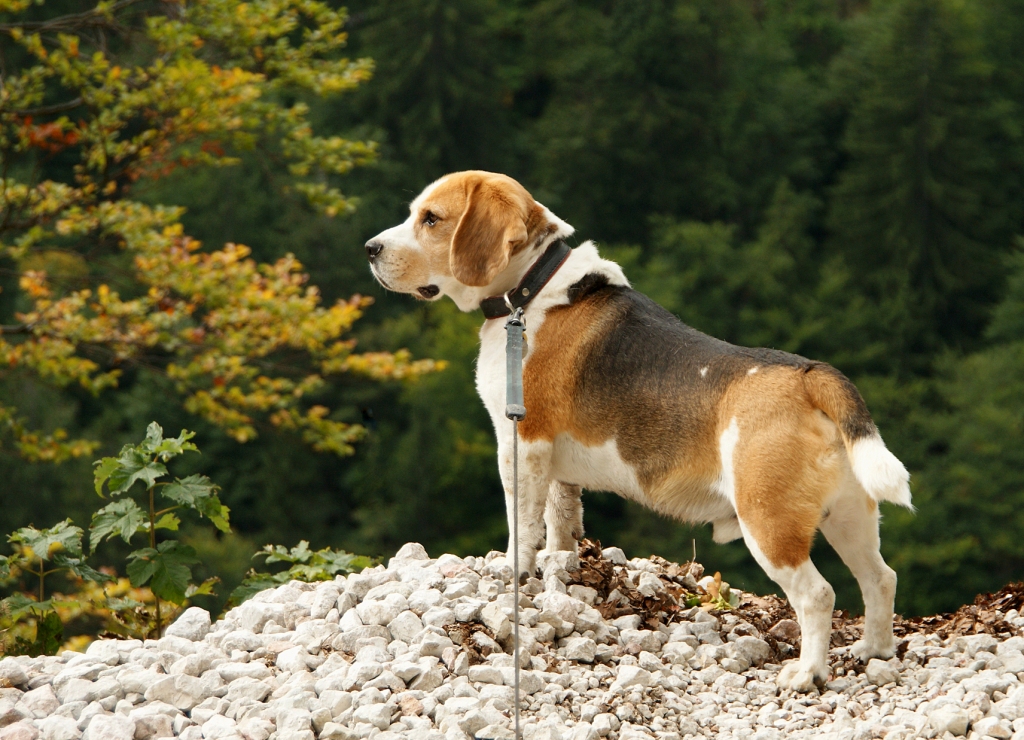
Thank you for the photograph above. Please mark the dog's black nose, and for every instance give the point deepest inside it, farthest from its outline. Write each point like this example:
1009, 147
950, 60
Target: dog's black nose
373, 248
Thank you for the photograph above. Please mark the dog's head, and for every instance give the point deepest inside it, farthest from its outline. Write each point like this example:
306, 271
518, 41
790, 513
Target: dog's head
469, 235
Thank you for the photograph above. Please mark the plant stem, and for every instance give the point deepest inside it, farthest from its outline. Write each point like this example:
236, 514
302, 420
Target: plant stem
42, 575
152, 544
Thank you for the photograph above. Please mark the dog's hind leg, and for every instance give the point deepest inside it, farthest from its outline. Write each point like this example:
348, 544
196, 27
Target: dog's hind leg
563, 516
851, 527
781, 477
813, 599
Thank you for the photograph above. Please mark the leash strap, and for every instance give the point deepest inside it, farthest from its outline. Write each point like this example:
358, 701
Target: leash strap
516, 411
515, 566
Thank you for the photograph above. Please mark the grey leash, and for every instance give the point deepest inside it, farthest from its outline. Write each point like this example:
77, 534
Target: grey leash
515, 329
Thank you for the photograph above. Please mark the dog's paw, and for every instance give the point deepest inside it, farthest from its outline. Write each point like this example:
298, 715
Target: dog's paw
527, 565
864, 651
795, 677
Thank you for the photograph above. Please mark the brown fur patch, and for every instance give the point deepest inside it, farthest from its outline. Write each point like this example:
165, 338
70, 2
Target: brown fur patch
786, 462
833, 393
551, 374
788, 455
667, 439
483, 219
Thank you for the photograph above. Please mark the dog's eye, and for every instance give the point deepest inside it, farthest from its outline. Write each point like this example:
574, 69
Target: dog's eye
430, 218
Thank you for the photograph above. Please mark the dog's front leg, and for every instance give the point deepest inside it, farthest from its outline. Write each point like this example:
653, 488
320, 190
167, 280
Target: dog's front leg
563, 517
534, 479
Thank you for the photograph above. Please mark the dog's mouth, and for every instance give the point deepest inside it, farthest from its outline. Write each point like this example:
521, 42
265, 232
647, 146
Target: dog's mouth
379, 279
428, 291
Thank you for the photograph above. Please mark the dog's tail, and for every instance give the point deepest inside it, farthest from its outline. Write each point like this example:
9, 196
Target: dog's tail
879, 471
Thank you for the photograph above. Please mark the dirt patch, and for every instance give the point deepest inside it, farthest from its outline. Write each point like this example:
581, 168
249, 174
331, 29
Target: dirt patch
461, 633
770, 615
985, 616
619, 596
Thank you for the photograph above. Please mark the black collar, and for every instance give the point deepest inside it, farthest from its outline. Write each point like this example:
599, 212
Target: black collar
531, 284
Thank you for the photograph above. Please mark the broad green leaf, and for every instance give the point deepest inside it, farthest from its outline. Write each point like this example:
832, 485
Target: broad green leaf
280, 554
123, 604
169, 448
166, 569
48, 639
168, 521
45, 543
203, 589
189, 491
154, 436
134, 465
339, 561
165, 449
171, 579
217, 513
80, 568
104, 468
255, 582
197, 492
5, 567
307, 573
19, 605
141, 566
307, 565
49, 634
122, 517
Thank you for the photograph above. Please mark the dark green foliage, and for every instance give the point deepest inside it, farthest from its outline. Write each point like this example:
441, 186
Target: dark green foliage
926, 206
40, 553
48, 638
967, 532
165, 567
304, 565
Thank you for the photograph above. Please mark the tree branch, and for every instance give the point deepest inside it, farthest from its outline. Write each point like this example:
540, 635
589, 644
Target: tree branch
49, 109
71, 22
15, 328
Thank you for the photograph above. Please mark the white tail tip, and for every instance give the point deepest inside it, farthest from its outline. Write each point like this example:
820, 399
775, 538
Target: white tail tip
880, 472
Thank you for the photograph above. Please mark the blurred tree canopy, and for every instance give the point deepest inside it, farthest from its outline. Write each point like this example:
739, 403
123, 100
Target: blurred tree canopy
842, 180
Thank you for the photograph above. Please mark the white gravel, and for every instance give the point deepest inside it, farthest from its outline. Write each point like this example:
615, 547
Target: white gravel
369, 657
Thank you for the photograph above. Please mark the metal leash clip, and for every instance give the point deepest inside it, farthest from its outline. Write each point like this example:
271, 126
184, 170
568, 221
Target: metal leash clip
517, 313
515, 327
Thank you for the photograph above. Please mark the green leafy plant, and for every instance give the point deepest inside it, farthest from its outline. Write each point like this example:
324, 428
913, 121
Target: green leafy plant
40, 553
304, 565
166, 567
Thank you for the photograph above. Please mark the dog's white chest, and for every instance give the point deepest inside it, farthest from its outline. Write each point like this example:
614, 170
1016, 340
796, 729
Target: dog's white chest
599, 468
490, 369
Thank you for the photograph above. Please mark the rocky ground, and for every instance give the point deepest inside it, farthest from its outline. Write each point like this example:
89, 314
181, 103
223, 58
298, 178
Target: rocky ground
617, 649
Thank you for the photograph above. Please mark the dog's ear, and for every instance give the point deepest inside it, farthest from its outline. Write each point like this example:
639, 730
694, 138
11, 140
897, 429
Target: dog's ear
492, 225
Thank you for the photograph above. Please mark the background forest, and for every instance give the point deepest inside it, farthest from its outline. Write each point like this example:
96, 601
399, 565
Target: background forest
839, 179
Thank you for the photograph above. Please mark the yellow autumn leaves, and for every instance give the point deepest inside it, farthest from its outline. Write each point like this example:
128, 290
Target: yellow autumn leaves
245, 343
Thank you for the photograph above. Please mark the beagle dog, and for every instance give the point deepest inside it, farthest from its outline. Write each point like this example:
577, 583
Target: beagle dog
621, 396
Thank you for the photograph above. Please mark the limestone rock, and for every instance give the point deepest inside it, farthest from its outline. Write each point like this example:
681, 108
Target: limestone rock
109, 727
183, 692
19, 731
949, 718
12, 674
193, 624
